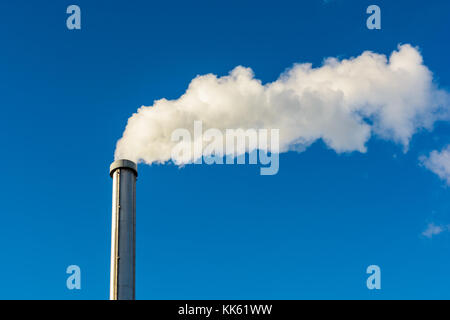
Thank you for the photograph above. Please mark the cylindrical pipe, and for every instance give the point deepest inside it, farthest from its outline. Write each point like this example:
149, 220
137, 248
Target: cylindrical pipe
123, 234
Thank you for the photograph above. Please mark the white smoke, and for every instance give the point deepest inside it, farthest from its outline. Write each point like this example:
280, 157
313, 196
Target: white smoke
343, 103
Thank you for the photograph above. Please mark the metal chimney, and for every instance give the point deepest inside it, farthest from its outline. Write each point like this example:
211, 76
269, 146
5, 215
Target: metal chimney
123, 234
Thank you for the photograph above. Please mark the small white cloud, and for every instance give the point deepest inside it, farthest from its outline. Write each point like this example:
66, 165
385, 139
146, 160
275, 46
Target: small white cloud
439, 163
433, 230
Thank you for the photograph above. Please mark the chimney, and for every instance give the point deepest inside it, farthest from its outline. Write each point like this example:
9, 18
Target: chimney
123, 234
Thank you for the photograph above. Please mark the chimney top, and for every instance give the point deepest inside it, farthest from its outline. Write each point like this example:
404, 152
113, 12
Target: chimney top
122, 163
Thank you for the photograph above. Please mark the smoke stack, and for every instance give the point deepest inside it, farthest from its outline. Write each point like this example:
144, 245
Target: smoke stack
123, 235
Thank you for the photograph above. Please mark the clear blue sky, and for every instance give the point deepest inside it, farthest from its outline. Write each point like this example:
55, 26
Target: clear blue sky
209, 232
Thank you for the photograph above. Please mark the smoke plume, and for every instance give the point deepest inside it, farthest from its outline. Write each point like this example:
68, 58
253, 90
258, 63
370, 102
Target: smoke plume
343, 102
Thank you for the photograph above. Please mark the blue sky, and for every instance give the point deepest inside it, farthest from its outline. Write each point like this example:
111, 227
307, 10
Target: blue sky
209, 232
